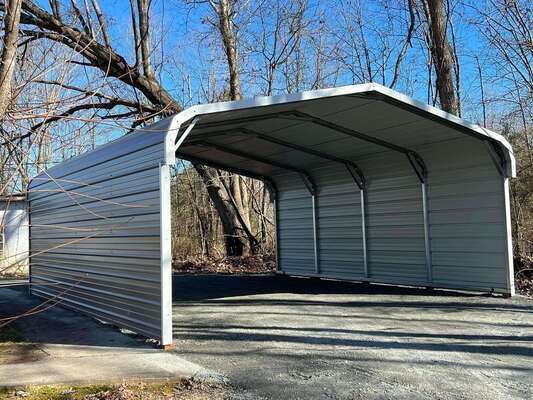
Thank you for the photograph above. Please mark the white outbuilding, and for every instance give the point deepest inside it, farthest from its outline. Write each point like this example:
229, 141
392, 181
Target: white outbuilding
14, 236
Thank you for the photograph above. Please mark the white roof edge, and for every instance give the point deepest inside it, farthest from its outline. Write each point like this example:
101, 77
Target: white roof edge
261, 101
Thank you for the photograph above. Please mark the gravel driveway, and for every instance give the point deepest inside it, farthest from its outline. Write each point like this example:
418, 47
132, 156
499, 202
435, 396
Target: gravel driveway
289, 338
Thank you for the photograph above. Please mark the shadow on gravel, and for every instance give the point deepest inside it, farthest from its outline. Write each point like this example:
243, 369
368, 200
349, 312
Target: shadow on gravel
218, 289
207, 295
445, 346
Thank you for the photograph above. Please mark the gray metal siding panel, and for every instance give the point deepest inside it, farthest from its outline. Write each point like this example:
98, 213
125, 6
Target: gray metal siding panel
466, 220
467, 216
96, 233
394, 220
339, 217
295, 228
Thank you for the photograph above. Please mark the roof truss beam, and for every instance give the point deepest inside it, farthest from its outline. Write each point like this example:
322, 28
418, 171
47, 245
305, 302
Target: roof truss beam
222, 166
353, 168
306, 177
415, 160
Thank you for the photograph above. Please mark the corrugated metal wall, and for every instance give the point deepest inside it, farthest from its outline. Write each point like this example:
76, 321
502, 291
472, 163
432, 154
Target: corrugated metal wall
466, 214
295, 226
339, 214
95, 232
396, 251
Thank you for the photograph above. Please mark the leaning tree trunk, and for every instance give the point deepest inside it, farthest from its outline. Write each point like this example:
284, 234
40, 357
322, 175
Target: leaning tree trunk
112, 64
12, 10
234, 246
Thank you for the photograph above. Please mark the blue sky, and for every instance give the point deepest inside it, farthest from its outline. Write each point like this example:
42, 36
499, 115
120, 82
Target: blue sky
188, 57
188, 52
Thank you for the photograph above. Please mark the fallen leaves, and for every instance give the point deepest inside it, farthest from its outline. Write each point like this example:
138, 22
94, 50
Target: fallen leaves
256, 264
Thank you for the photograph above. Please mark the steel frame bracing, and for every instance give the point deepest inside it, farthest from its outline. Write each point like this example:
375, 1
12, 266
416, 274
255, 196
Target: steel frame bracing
353, 169
304, 175
496, 157
415, 160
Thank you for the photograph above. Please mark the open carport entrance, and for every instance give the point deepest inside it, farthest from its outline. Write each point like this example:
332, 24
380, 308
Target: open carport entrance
368, 186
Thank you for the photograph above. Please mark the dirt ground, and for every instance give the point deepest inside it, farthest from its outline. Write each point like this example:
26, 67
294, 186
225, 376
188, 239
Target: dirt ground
289, 338
14, 348
181, 390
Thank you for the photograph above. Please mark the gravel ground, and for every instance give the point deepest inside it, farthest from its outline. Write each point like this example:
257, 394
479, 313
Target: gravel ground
288, 338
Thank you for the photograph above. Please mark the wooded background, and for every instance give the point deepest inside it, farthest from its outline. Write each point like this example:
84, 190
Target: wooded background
78, 73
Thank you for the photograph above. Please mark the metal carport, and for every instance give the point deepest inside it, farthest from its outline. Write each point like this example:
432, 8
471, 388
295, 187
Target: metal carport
369, 185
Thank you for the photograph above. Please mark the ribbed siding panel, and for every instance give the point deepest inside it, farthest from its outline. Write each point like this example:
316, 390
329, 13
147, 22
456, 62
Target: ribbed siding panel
95, 234
466, 220
339, 217
395, 232
295, 228
395, 224
467, 216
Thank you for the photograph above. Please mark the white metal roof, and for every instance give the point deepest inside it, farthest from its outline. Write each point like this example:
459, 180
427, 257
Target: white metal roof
369, 109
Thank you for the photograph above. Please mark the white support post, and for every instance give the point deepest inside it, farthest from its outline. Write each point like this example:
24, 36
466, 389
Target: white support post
315, 233
427, 240
166, 255
509, 238
363, 231
276, 228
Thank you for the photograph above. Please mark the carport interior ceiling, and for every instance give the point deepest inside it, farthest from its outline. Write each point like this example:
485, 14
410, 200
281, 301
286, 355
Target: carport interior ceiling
368, 185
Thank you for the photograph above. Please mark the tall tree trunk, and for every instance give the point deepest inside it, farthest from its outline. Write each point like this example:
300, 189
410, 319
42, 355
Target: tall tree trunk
443, 59
143, 9
233, 243
225, 13
9, 53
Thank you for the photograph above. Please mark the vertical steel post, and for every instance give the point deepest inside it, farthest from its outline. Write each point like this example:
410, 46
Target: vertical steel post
315, 233
360, 182
509, 238
276, 228
166, 254
427, 241
363, 231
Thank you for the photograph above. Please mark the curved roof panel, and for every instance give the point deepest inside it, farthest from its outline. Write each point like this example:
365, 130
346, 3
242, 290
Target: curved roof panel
316, 119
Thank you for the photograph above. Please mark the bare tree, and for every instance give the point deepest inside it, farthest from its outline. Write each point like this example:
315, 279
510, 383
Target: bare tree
81, 36
225, 11
9, 52
372, 45
437, 16
237, 223
406, 44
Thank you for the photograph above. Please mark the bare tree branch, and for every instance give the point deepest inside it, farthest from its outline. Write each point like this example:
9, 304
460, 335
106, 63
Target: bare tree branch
101, 22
